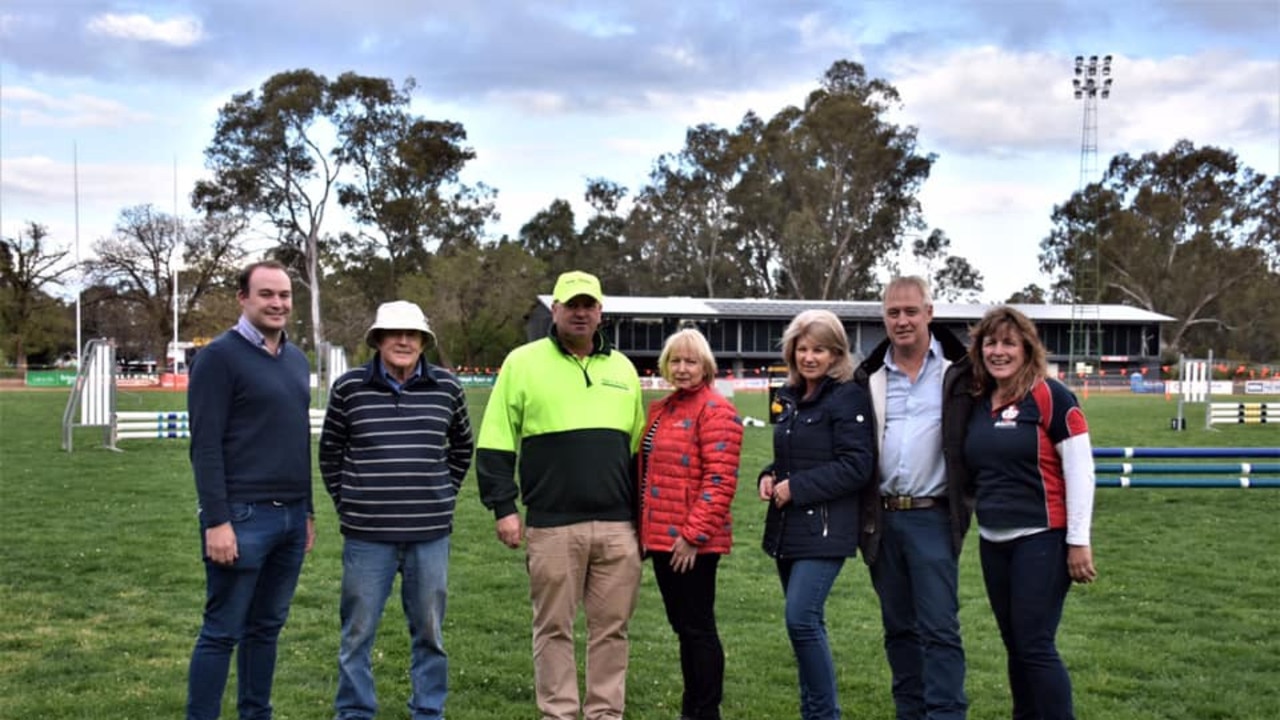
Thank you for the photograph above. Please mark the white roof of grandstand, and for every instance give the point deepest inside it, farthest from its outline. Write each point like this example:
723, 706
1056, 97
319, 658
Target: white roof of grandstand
639, 306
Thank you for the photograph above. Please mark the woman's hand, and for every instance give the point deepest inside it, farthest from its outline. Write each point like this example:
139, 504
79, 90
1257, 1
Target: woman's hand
766, 487
1080, 564
782, 493
683, 555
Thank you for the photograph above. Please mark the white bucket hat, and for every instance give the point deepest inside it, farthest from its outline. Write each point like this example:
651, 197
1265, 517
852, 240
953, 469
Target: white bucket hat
400, 315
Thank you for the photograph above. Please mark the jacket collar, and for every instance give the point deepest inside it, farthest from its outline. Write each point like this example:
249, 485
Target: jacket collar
599, 343
373, 373
952, 350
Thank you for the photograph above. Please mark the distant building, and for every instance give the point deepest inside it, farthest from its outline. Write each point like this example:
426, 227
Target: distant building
746, 335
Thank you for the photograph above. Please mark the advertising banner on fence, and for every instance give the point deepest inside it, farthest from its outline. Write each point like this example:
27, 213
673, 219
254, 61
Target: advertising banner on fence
1262, 387
51, 378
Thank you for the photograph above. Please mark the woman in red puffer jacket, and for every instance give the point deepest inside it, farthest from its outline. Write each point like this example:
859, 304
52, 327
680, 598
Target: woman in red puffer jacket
688, 474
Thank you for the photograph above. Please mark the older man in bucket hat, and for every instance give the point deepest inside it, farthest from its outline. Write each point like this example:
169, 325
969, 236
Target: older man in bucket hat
395, 447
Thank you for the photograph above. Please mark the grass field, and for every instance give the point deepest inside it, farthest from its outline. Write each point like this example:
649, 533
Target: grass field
101, 588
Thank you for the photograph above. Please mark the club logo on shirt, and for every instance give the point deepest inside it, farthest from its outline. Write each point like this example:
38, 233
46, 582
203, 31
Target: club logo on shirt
1008, 417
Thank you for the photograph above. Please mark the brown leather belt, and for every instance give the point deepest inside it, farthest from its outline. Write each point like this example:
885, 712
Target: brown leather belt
894, 503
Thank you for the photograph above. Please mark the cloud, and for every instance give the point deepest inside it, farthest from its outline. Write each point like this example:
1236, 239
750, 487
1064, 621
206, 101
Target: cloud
178, 32
989, 100
33, 108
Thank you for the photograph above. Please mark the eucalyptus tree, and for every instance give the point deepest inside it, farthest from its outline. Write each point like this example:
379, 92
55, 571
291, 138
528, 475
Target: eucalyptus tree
1190, 233
280, 153
552, 236
681, 227
268, 159
952, 277
829, 187
405, 181
810, 203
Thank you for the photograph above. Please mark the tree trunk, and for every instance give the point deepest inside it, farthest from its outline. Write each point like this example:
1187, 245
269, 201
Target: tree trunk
313, 279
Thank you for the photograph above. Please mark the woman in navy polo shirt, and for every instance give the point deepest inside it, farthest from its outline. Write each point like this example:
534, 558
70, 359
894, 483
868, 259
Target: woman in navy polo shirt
1031, 464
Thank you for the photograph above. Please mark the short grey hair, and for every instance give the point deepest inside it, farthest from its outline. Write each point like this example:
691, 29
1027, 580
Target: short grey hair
914, 281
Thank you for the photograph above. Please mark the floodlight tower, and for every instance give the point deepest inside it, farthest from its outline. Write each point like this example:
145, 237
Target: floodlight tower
1091, 81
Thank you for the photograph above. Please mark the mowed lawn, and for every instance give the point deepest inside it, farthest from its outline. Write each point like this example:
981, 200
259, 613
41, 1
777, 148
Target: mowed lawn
101, 588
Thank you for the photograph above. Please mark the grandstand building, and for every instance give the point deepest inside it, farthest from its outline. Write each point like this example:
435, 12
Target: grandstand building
746, 334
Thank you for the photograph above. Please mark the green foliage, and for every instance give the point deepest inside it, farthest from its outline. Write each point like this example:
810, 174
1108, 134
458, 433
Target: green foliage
132, 271
679, 233
1189, 233
101, 590
32, 320
405, 177
832, 185
805, 204
268, 159
477, 320
952, 278
1032, 294
552, 237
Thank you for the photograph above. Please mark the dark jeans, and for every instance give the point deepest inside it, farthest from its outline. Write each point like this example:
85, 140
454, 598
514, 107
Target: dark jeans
245, 608
916, 576
1027, 585
807, 582
690, 601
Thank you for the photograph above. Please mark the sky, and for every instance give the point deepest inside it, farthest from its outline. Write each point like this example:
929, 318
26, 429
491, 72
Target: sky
116, 101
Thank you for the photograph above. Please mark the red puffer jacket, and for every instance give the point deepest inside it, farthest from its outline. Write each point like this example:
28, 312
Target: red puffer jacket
689, 476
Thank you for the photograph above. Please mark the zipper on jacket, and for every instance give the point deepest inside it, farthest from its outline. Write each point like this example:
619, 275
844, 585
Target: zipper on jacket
583, 367
782, 532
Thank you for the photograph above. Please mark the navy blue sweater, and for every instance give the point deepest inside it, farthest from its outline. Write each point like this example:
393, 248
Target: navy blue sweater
250, 426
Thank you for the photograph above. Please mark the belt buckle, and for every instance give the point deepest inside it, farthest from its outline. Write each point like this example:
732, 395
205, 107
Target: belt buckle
904, 502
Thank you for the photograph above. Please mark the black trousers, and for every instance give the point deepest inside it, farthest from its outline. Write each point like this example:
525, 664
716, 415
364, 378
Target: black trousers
690, 601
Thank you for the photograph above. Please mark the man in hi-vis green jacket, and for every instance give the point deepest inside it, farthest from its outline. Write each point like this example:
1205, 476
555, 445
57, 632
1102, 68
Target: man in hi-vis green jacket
568, 411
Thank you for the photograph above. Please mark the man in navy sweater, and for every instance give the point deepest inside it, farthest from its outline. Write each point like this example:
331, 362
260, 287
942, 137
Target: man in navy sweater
395, 448
249, 396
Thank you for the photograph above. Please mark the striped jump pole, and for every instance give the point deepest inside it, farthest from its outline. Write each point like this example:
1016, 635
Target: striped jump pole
1240, 472
1244, 413
172, 424
140, 424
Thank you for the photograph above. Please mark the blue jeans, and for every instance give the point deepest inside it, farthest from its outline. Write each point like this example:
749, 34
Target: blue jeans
806, 583
368, 571
916, 577
245, 608
1027, 584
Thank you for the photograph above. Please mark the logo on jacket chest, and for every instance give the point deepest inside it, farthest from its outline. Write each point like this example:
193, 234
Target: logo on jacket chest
1008, 417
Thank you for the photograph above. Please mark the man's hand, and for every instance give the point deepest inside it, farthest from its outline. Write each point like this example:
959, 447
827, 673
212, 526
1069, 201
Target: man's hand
509, 530
220, 544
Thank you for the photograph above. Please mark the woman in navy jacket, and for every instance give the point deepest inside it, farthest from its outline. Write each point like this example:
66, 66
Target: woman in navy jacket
823, 454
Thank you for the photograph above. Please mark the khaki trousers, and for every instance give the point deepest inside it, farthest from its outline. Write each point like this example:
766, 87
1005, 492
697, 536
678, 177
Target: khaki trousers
595, 566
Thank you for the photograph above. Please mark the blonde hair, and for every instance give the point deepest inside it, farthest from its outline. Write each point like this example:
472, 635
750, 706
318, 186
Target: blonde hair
824, 328
692, 340
997, 321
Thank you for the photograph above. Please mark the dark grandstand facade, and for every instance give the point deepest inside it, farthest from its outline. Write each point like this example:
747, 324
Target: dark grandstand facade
746, 334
